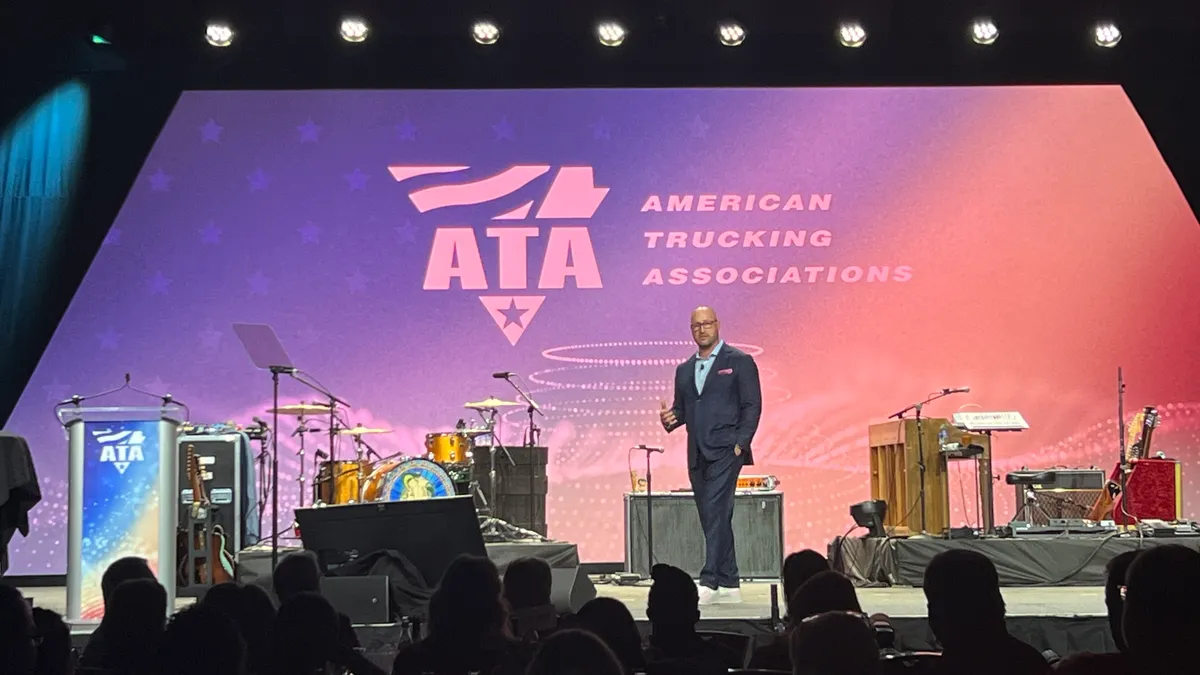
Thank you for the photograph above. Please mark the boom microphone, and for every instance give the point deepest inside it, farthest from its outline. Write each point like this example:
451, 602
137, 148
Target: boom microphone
957, 390
650, 448
503, 375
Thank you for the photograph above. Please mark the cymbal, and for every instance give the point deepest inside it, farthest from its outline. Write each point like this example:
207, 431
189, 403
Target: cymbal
359, 431
301, 409
489, 403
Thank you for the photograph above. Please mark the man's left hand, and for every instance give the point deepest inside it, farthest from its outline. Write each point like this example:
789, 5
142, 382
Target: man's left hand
737, 451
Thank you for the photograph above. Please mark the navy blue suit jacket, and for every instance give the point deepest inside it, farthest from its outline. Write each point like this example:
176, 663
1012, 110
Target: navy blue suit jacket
726, 413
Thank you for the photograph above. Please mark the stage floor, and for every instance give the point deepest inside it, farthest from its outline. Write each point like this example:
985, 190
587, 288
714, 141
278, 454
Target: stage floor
896, 602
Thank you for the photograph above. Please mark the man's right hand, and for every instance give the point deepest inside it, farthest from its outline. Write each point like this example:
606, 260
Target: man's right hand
667, 415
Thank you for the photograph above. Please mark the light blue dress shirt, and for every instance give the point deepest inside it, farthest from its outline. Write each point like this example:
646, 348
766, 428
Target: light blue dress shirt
705, 365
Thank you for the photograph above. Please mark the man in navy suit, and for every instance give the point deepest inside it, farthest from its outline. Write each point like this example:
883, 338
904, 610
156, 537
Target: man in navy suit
719, 399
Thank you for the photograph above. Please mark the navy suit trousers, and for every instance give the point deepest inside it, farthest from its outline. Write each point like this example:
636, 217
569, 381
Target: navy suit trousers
713, 483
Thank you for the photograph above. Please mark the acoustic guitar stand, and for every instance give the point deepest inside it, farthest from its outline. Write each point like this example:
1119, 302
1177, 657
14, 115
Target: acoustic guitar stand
200, 533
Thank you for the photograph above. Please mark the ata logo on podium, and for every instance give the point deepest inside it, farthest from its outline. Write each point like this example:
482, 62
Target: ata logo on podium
121, 448
455, 254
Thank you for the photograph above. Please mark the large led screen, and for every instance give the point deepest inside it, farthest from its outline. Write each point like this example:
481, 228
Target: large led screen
867, 246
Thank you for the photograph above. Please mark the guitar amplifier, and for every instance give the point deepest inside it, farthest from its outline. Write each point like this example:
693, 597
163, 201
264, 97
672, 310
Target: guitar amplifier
227, 467
679, 541
1066, 494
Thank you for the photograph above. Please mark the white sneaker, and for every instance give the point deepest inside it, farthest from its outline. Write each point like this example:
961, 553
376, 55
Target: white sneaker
707, 595
728, 596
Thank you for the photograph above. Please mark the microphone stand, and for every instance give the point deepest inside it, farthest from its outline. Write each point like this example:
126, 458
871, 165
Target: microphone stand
917, 407
1123, 462
649, 518
534, 431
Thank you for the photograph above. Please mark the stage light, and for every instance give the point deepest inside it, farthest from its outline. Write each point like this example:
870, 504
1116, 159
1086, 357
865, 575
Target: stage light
984, 32
354, 29
1107, 35
485, 32
610, 34
218, 34
852, 34
731, 34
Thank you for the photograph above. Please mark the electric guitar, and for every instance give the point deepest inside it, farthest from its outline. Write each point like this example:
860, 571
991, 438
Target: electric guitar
225, 570
1140, 434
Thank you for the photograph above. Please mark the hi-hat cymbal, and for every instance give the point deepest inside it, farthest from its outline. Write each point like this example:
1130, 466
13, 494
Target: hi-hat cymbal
359, 431
489, 403
301, 409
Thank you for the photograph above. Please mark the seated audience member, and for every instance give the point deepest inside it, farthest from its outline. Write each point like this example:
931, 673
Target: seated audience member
834, 643
527, 585
673, 609
966, 615
306, 640
826, 591
468, 626
254, 615
1114, 601
574, 652
299, 573
18, 634
610, 620
54, 655
1161, 601
201, 640
798, 568
132, 626
124, 569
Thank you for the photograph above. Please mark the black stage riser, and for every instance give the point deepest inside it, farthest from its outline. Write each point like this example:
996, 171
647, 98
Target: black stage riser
1021, 561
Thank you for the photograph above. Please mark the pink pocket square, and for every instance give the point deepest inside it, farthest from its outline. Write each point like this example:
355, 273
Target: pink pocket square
725, 371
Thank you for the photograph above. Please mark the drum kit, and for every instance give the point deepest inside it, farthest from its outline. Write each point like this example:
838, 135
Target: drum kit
445, 468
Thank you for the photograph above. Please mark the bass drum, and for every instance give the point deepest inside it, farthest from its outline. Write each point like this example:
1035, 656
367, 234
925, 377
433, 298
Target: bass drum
403, 480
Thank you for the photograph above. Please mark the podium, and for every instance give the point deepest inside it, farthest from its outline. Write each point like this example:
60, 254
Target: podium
122, 488
896, 475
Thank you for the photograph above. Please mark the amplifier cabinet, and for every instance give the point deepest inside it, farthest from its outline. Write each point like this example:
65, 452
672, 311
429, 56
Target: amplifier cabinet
679, 541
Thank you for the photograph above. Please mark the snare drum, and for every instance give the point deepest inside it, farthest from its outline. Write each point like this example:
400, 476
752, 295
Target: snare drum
338, 482
448, 448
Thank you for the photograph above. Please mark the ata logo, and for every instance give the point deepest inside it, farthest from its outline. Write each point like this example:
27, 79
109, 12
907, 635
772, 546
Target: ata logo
455, 253
121, 448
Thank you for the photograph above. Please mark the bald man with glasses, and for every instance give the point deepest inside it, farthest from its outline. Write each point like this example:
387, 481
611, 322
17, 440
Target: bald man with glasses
719, 399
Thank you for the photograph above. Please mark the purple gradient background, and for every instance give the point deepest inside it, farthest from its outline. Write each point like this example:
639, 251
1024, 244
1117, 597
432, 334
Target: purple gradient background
277, 207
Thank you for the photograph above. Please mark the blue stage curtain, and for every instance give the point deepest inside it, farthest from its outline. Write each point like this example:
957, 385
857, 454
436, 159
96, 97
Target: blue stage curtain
40, 153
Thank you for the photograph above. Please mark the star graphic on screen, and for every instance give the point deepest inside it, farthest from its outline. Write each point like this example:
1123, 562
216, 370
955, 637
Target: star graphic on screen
109, 339
160, 181
406, 131
357, 281
156, 386
698, 127
210, 233
308, 131
210, 338
210, 132
258, 180
406, 233
601, 130
113, 237
260, 284
357, 180
310, 234
513, 315
56, 391
159, 284
309, 336
504, 130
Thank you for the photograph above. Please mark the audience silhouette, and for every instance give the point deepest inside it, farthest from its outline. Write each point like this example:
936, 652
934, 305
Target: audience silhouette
54, 654
134, 617
299, 573
201, 640
798, 568
574, 652
527, 586
834, 643
673, 609
611, 621
19, 638
253, 613
966, 615
824, 591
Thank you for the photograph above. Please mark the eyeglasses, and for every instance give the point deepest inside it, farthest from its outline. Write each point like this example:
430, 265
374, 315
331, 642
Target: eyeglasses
858, 615
703, 324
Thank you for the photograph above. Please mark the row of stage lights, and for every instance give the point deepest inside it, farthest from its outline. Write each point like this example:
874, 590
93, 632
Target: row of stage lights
612, 34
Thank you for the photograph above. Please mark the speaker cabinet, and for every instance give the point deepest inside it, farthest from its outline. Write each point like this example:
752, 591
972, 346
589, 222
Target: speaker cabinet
679, 541
571, 589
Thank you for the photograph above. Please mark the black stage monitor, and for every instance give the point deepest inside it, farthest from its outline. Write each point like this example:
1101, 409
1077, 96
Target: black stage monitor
430, 533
